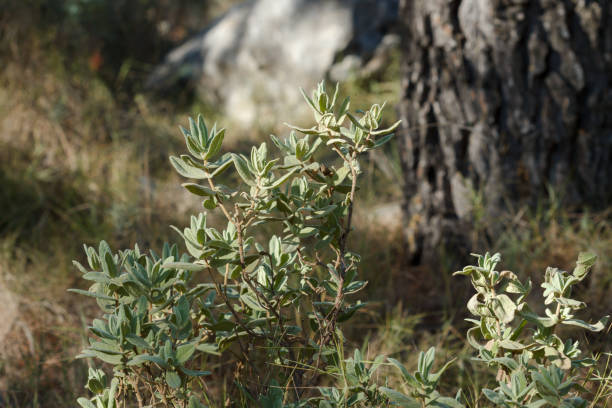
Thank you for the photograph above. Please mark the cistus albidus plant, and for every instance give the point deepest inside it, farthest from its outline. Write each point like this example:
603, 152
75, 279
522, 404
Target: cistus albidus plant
269, 294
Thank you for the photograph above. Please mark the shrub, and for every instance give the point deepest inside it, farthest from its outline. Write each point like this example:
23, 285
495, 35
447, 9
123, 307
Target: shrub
271, 291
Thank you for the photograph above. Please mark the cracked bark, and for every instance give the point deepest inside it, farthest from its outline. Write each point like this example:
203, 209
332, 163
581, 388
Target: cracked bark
504, 98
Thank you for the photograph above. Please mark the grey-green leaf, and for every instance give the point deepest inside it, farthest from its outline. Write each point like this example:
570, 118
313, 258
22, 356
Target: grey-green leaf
184, 352
138, 341
252, 303
85, 403
209, 348
199, 189
243, 169
282, 179
186, 170
194, 373
195, 267
91, 294
504, 308
599, 326
215, 145
583, 264
142, 358
172, 379
402, 400
112, 392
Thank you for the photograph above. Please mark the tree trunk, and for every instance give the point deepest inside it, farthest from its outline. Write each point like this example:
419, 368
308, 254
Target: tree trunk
502, 99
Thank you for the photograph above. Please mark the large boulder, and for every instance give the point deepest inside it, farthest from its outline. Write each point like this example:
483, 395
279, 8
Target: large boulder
251, 60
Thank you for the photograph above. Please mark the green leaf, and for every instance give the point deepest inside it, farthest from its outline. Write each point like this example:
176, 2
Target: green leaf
173, 379
85, 403
143, 358
599, 326
507, 362
209, 348
210, 204
215, 145
574, 304
80, 267
344, 107
382, 140
435, 377
282, 179
184, 352
504, 308
191, 142
537, 404
301, 148
251, 302
96, 277
447, 402
217, 243
187, 170
138, 341
114, 359
108, 265
356, 121
333, 101
426, 361
91, 294
194, 373
402, 400
583, 264
310, 102
493, 396
310, 131
105, 347
194, 403
388, 131
323, 102
243, 169
225, 162
511, 345
186, 266
335, 140
340, 175
307, 232
201, 131
348, 312
407, 376
112, 392
198, 189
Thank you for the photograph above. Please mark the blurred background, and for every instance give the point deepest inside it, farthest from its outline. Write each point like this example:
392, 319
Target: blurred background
505, 145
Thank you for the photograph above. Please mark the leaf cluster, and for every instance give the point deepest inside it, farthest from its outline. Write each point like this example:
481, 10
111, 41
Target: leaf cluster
535, 365
276, 301
267, 295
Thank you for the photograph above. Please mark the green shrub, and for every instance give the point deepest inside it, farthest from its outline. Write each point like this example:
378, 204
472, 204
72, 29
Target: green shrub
273, 307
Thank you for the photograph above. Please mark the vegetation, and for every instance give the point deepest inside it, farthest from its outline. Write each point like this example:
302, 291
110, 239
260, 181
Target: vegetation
83, 157
279, 309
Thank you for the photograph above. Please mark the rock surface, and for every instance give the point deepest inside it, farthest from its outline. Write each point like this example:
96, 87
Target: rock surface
253, 59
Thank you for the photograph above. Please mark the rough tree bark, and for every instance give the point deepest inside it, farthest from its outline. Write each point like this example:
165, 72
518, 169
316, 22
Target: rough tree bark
502, 98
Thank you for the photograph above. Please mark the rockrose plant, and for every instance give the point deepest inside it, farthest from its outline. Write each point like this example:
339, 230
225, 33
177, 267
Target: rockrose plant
269, 293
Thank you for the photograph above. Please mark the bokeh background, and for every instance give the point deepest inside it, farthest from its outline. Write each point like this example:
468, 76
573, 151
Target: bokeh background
92, 93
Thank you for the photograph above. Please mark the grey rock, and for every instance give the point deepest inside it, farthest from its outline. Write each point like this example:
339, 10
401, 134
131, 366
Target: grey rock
251, 60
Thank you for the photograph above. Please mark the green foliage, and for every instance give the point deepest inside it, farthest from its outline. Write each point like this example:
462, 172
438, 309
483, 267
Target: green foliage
422, 384
279, 302
534, 365
269, 293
